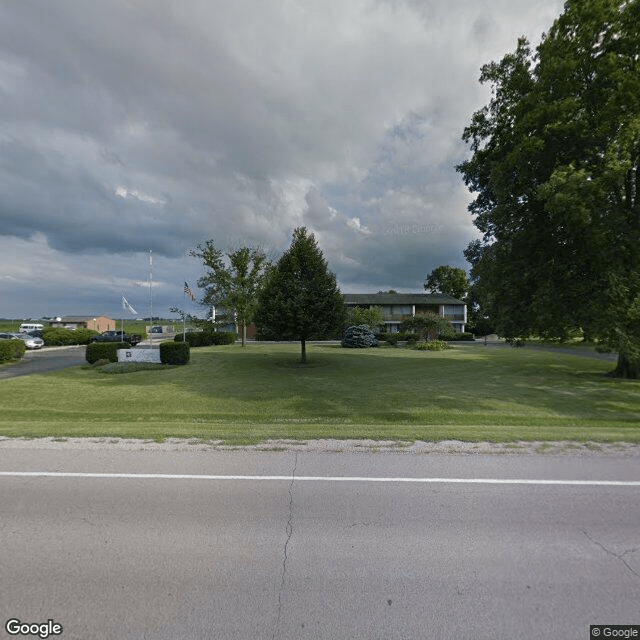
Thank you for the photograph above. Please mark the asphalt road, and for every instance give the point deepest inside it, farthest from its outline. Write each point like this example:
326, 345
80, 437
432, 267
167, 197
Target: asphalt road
45, 360
290, 549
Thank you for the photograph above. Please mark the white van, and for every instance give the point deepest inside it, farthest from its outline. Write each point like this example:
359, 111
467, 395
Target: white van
25, 327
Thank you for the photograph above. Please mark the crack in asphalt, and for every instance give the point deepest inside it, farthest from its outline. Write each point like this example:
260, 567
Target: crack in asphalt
289, 532
617, 556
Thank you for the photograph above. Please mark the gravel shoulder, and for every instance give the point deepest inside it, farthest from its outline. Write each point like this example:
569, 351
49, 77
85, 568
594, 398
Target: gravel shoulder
445, 447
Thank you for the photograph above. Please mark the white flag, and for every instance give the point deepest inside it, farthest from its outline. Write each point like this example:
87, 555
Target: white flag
127, 307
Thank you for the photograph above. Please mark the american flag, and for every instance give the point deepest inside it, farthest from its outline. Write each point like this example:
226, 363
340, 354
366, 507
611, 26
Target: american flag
188, 291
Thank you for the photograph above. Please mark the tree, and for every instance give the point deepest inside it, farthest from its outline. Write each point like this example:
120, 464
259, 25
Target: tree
234, 283
372, 317
450, 281
301, 299
556, 170
428, 325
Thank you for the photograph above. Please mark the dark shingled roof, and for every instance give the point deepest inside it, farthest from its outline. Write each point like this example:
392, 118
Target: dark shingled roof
399, 298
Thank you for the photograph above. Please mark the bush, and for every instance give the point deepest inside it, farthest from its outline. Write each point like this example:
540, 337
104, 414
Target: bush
434, 345
130, 367
462, 336
223, 337
104, 351
60, 337
359, 337
11, 350
207, 338
174, 352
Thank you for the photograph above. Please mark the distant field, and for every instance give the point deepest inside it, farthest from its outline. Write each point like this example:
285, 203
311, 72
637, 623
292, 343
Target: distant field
239, 396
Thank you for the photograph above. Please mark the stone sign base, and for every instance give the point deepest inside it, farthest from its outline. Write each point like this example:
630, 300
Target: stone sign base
139, 355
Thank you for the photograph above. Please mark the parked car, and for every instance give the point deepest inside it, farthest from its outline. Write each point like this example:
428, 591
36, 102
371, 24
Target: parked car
155, 329
31, 342
118, 336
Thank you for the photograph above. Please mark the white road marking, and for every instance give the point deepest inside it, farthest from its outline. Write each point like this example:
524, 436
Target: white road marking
167, 476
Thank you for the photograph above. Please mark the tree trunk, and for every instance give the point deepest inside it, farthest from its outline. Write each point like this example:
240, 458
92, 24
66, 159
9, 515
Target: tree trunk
626, 368
244, 335
303, 351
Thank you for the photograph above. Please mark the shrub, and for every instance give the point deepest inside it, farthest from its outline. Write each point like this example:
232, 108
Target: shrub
433, 345
11, 350
360, 337
206, 338
222, 337
60, 337
462, 336
104, 351
174, 352
130, 367
407, 336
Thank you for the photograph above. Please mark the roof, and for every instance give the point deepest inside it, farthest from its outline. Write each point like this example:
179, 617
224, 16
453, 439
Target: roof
79, 318
399, 298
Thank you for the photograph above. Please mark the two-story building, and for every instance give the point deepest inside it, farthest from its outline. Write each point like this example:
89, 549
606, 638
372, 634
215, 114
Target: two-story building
396, 307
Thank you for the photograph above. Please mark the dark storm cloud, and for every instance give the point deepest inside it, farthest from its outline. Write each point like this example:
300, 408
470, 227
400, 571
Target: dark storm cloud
130, 125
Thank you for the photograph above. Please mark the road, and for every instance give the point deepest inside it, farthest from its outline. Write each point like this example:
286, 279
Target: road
174, 544
45, 360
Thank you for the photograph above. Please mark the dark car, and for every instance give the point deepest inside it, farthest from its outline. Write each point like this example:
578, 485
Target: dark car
118, 336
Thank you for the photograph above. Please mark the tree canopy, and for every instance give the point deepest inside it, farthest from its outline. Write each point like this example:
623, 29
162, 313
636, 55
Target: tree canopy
428, 325
232, 283
372, 317
556, 170
301, 299
451, 281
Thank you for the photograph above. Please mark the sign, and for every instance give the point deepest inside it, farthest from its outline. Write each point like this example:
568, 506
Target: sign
139, 355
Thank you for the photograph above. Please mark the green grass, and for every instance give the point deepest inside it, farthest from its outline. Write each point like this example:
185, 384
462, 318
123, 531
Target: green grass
261, 392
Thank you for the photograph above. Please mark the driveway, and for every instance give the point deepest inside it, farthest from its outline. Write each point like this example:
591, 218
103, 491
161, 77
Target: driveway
48, 359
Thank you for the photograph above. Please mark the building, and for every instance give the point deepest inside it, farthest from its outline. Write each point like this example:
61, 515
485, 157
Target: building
97, 323
396, 307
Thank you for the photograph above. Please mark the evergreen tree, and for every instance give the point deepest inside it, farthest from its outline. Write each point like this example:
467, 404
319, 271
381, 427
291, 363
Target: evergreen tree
300, 299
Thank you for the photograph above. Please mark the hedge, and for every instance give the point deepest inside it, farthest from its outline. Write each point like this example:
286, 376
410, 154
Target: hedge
59, 336
174, 352
207, 338
433, 345
468, 336
11, 350
104, 351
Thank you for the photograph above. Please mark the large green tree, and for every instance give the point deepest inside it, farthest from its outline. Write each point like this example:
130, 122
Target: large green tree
556, 170
301, 299
450, 281
233, 281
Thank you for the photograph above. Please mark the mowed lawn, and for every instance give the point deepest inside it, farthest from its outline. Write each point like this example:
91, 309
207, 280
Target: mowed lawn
247, 395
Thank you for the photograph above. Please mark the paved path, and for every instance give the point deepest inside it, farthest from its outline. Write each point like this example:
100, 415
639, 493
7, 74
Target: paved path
45, 360
284, 550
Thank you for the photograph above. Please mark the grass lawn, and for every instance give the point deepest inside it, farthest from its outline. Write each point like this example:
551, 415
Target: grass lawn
241, 396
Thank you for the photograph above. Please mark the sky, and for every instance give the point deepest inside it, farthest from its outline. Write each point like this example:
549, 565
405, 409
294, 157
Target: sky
131, 131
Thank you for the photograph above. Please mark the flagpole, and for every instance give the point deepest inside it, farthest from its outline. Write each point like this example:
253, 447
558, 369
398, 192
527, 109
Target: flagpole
151, 295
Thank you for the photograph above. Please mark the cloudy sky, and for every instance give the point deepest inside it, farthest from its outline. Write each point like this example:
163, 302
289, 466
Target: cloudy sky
137, 126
